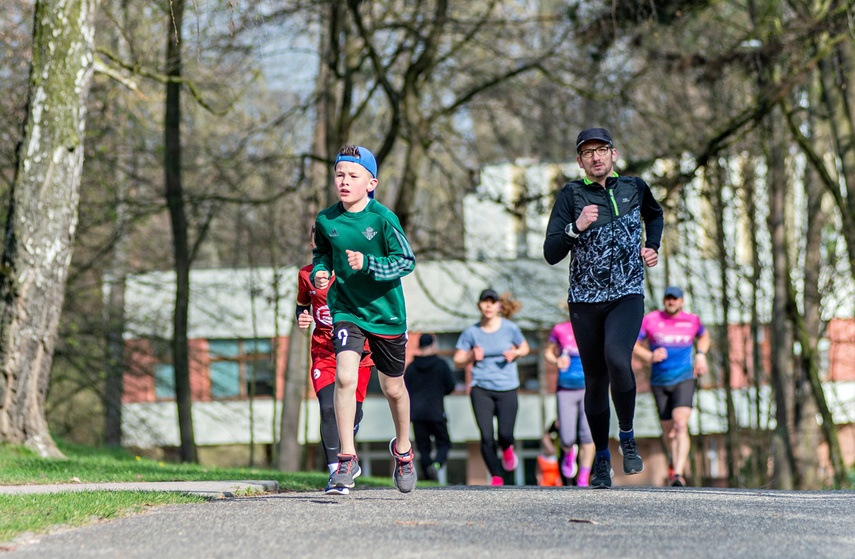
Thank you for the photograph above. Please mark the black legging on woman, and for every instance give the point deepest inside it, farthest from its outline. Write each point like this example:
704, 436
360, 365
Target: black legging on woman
502, 405
606, 333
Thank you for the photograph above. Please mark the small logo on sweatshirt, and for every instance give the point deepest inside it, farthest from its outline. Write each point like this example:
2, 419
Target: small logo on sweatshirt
369, 233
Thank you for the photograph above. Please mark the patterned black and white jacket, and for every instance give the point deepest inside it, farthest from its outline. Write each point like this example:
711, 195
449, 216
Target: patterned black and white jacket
606, 262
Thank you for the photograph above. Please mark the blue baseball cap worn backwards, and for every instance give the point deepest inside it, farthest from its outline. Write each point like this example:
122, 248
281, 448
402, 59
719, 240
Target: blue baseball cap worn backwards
366, 159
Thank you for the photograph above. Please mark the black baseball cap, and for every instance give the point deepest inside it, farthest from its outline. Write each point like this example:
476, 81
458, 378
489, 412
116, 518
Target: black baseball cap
591, 134
488, 294
425, 340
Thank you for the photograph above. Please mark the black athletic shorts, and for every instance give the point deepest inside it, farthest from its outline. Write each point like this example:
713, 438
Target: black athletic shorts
673, 396
389, 352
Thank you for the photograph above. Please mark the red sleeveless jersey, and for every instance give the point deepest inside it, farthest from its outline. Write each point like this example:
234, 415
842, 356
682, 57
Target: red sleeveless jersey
309, 295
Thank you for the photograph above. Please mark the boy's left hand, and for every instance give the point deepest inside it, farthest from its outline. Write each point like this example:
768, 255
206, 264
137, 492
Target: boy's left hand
355, 259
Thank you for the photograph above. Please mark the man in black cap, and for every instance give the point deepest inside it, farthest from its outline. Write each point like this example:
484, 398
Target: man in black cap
429, 380
600, 218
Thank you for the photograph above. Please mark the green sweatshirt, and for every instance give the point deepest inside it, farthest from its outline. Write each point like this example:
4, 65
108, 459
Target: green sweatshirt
371, 298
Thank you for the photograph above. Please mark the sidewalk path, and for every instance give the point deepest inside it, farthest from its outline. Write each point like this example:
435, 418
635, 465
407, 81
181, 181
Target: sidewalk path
474, 523
212, 489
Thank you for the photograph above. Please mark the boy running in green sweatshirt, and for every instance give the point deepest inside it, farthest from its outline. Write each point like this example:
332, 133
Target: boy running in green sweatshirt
362, 242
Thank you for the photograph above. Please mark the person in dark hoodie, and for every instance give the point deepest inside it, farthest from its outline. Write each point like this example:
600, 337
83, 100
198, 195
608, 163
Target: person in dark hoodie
428, 379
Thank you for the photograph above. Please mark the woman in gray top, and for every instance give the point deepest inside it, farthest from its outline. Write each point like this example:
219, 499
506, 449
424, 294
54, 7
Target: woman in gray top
492, 347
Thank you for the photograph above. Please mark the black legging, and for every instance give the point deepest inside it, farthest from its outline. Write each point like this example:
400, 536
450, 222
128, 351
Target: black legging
423, 431
329, 429
606, 333
503, 405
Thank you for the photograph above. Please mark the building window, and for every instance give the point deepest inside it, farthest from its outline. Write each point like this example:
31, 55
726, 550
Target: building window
164, 381
240, 368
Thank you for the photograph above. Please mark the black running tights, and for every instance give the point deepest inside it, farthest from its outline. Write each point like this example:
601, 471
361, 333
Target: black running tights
606, 333
503, 405
329, 429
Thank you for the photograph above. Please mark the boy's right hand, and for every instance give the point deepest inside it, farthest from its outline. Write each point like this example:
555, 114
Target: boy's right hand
322, 279
304, 320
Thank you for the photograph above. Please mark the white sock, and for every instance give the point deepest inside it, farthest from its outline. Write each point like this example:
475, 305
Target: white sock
333, 467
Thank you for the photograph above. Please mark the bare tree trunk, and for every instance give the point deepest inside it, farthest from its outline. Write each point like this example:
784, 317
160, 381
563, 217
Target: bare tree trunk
115, 283
43, 216
115, 318
716, 193
325, 140
759, 452
415, 156
180, 243
834, 91
785, 468
808, 330
834, 76
290, 450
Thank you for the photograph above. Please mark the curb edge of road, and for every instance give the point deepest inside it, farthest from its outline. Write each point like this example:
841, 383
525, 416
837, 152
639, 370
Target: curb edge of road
224, 489
246, 489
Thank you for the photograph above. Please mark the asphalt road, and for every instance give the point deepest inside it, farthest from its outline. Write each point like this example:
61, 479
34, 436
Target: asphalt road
469, 522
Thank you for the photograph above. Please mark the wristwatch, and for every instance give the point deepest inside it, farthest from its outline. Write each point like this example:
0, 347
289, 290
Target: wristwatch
571, 231
699, 352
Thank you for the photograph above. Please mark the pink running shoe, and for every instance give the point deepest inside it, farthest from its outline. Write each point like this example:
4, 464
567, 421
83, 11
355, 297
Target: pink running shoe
584, 477
497, 481
568, 465
509, 459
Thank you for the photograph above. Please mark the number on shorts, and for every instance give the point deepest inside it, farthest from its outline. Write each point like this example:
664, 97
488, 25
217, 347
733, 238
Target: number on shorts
342, 337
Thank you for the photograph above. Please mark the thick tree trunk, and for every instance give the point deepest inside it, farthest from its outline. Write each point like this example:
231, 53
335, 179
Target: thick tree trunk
290, 450
43, 216
180, 244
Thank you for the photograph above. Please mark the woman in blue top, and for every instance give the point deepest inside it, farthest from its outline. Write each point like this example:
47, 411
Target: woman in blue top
563, 351
492, 346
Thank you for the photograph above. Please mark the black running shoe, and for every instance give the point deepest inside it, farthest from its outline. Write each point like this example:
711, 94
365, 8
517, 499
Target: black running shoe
632, 463
601, 473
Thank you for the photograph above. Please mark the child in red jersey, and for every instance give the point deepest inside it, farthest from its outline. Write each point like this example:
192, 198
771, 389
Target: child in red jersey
312, 307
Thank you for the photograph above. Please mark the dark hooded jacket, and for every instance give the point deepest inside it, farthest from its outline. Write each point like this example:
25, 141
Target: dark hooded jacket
428, 379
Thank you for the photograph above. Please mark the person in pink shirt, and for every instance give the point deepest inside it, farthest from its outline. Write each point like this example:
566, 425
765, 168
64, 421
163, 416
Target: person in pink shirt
666, 342
573, 431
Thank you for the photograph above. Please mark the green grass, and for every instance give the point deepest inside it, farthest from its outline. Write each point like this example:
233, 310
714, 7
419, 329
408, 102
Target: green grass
19, 466
41, 513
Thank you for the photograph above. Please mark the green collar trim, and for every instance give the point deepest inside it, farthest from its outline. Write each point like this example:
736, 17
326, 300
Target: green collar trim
589, 181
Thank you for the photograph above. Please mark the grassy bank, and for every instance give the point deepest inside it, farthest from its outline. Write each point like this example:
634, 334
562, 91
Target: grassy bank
34, 514
41, 513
